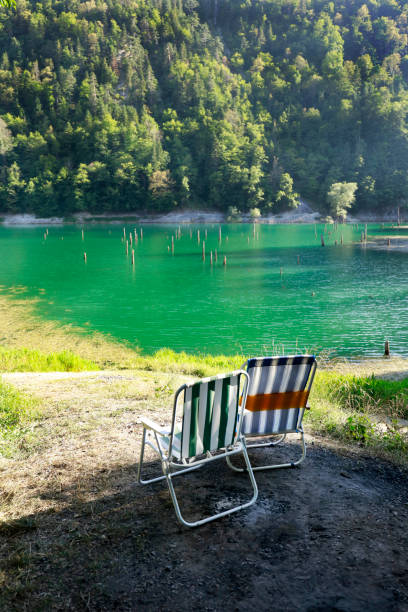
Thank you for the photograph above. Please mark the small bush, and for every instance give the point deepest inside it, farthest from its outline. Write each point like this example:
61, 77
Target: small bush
359, 428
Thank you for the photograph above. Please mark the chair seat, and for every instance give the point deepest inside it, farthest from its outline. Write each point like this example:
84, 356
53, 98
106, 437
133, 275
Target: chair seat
176, 448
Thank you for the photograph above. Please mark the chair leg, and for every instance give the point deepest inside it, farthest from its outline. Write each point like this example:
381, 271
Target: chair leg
182, 520
277, 465
139, 470
157, 478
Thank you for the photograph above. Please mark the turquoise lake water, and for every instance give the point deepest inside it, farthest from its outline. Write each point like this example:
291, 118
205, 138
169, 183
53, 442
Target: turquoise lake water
345, 298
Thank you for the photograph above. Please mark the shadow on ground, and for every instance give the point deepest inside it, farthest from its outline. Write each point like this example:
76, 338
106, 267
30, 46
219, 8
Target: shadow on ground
330, 535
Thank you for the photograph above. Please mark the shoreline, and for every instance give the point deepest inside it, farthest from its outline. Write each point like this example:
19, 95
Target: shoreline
304, 214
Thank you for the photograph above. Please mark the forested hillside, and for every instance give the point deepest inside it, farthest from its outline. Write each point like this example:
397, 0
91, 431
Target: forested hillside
122, 105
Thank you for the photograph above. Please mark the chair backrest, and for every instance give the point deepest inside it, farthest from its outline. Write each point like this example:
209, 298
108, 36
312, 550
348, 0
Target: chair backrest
278, 392
210, 413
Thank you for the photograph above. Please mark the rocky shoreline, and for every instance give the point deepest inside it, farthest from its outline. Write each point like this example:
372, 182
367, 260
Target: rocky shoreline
303, 214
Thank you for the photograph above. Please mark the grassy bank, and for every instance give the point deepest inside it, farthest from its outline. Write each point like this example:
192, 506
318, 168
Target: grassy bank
31, 360
362, 404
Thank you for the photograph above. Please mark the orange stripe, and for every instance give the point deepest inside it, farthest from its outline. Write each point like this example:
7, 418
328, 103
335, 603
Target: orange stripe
277, 401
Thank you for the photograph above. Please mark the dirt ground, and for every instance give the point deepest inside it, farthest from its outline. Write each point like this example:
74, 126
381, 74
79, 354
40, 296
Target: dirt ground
78, 533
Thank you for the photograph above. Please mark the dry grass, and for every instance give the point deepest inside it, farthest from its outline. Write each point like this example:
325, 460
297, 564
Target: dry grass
88, 428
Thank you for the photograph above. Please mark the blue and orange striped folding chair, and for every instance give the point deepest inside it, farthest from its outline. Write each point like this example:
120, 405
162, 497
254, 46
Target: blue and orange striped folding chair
211, 419
277, 398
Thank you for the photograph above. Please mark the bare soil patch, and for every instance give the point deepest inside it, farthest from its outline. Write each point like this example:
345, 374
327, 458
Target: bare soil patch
78, 533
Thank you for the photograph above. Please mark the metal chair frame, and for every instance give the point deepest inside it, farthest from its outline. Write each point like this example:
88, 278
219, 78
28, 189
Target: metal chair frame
153, 437
282, 437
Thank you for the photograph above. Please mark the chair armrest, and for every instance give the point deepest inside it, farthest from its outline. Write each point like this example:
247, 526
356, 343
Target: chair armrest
149, 424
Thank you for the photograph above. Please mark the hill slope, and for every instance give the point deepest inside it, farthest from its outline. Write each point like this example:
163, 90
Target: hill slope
151, 104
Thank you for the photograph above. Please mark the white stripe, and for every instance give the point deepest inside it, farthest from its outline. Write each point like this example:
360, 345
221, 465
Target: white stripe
254, 378
292, 418
262, 420
277, 415
300, 381
201, 417
216, 413
186, 423
232, 405
285, 379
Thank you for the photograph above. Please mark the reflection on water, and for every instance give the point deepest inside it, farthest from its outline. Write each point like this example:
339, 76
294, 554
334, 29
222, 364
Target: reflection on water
279, 286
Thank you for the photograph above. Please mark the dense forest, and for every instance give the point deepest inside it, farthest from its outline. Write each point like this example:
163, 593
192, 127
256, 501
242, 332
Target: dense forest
119, 105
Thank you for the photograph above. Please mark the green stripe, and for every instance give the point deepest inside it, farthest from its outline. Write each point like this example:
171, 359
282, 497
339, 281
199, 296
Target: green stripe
224, 411
208, 416
195, 403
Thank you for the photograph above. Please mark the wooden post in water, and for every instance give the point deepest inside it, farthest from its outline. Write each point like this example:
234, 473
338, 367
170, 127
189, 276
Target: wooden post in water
124, 233
203, 250
322, 240
298, 259
248, 239
133, 257
82, 234
387, 349
225, 260
216, 255
341, 239
365, 232
85, 257
198, 236
211, 258
219, 234
141, 233
127, 247
253, 230
388, 242
136, 237
205, 234
315, 231
172, 245
131, 238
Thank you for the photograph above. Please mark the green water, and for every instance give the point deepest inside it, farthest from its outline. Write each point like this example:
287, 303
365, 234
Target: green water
342, 298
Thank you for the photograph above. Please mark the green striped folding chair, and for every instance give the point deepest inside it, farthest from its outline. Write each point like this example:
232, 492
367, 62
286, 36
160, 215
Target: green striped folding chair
277, 397
211, 417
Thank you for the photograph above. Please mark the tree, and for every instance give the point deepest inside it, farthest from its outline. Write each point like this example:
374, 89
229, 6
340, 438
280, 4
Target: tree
340, 198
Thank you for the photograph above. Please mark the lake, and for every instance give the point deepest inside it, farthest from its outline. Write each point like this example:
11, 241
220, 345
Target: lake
280, 290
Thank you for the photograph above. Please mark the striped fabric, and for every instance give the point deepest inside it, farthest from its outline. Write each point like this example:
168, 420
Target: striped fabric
210, 415
277, 394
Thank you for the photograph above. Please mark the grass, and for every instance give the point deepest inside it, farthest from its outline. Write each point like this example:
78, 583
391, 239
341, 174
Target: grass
31, 360
166, 360
372, 394
361, 410
18, 412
